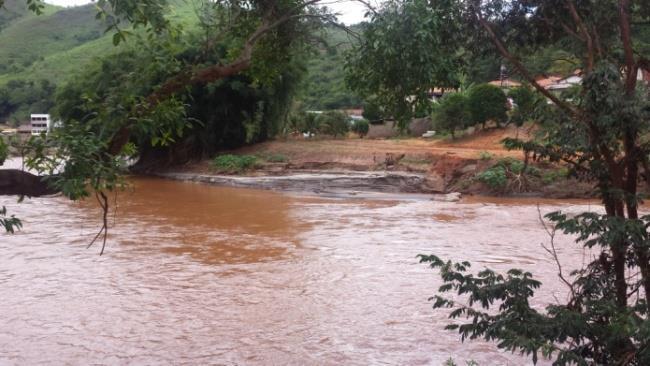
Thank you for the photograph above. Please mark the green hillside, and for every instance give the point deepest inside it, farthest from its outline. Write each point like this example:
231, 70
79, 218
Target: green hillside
32, 38
54, 46
14, 10
37, 53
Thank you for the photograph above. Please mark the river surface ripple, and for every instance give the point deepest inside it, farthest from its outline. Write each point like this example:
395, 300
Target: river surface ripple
195, 274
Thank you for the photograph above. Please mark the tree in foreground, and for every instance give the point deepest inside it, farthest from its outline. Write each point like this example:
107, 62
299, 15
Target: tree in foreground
150, 99
600, 133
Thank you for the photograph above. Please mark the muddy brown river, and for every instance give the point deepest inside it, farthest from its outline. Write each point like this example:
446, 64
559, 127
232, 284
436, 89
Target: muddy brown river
198, 275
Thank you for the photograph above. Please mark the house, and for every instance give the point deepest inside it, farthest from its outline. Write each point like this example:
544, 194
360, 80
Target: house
546, 81
566, 83
505, 83
436, 93
355, 114
41, 123
25, 130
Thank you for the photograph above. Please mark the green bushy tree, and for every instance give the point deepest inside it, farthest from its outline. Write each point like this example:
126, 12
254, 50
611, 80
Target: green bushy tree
452, 114
487, 103
372, 111
361, 127
132, 108
403, 52
333, 123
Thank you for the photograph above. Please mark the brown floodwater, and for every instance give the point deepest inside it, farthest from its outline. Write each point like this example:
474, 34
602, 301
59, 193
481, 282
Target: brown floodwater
196, 274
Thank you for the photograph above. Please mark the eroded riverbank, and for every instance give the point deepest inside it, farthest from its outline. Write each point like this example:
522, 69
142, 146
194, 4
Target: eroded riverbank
197, 274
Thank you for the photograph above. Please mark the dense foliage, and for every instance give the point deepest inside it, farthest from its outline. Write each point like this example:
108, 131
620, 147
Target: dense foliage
19, 98
372, 111
487, 103
598, 132
361, 127
526, 103
401, 56
452, 114
324, 85
333, 123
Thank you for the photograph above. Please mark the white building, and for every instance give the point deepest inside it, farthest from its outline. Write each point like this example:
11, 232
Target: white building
41, 123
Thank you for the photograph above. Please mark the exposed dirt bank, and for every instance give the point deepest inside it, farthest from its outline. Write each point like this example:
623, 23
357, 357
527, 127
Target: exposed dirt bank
327, 183
411, 165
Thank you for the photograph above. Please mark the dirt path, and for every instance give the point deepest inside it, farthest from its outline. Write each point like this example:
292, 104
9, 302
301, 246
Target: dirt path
364, 151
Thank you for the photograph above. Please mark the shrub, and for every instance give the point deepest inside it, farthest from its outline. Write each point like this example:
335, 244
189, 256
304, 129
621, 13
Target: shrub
234, 163
333, 123
494, 177
516, 166
551, 176
526, 101
276, 158
487, 103
508, 173
309, 123
361, 127
372, 112
4, 150
484, 155
452, 114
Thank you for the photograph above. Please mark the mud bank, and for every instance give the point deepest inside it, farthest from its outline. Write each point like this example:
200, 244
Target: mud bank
348, 182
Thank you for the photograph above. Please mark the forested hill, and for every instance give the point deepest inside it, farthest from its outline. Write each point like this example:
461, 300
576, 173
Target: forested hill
37, 53
59, 42
32, 45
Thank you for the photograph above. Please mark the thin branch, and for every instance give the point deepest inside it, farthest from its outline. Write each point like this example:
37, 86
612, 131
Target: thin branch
553, 252
585, 34
102, 199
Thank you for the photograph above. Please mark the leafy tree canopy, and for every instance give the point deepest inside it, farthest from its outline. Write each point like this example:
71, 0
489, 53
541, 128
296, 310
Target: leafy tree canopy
406, 49
452, 114
487, 103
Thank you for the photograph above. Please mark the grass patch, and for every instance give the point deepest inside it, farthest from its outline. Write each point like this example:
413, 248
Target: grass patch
229, 163
416, 161
552, 176
484, 155
276, 158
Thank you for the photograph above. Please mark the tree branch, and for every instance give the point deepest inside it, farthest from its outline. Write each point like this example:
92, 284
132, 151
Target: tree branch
626, 39
585, 34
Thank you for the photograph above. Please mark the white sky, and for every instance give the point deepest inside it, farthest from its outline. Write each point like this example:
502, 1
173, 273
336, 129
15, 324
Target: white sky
350, 12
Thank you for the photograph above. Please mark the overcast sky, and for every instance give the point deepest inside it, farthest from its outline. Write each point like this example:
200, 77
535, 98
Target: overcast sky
351, 12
